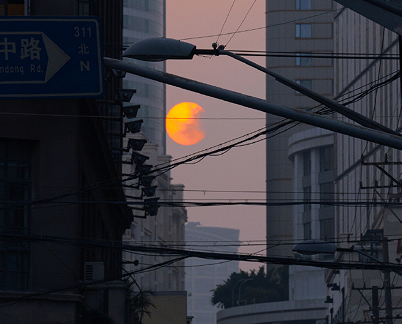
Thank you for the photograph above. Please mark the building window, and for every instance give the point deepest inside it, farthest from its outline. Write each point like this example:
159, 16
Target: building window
303, 59
303, 4
303, 30
15, 213
327, 191
327, 229
306, 186
326, 158
11, 7
306, 163
307, 198
307, 231
84, 7
305, 83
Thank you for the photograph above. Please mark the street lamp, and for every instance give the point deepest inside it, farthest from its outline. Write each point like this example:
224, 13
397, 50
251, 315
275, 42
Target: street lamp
162, 49
241, 285
241, 282
311, 247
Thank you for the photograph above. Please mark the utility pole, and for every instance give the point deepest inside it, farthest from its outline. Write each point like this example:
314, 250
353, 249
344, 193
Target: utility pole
386, 286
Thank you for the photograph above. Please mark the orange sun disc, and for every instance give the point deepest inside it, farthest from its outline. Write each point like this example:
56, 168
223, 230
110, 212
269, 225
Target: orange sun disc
182, 124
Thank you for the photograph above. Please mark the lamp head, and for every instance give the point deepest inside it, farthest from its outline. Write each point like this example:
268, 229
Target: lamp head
312, 247
125, 95
131, 111
146, 181
160, 49
151, 206
136, 144
138, 159
143, 169
134, 126
149, 191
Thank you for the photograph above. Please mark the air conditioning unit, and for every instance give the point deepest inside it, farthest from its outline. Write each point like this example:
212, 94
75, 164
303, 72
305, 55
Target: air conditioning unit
94, 271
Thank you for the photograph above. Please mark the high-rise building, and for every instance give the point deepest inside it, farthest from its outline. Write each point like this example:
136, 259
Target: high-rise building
142, 20
203, 276
297, 31
300, 158
366, 173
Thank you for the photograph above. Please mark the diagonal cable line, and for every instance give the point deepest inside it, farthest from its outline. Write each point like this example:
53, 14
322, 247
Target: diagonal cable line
224, 23
252, 5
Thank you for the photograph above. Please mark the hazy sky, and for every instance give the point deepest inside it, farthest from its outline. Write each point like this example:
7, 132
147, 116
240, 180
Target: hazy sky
241, 169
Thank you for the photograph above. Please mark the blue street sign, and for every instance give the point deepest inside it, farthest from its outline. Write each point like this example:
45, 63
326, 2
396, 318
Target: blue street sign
51, 57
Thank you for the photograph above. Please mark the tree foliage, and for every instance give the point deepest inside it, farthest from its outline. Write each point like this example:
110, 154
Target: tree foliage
253, 287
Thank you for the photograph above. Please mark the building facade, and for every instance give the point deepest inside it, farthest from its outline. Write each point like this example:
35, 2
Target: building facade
300, 158
164, 229
299, 41
56, 168
202, 276
366, 172
294, 46
142, 20
61, 163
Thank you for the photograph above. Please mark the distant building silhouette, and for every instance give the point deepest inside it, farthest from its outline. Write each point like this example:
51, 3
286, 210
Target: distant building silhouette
202, 276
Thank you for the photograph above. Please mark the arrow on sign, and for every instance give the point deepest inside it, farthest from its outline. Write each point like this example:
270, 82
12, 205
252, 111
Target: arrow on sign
56, 57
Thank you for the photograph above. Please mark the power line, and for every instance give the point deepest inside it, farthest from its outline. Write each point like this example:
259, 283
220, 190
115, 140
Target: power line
183, 254
218, 202
252, 5
345, 54
265, 27
166, 251
224, 23
27, 296
206, 191
318, 55
195, 158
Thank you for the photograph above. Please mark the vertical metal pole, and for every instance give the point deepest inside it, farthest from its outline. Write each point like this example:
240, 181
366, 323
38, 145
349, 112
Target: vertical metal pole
387, 283
233, 290
343, 305
375, 310
241, 285
400, 66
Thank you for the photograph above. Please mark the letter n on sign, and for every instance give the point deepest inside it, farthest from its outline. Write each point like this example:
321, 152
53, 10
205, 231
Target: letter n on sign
84, 65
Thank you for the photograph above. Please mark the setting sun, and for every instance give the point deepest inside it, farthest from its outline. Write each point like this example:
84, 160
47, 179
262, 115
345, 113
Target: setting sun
182, 124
